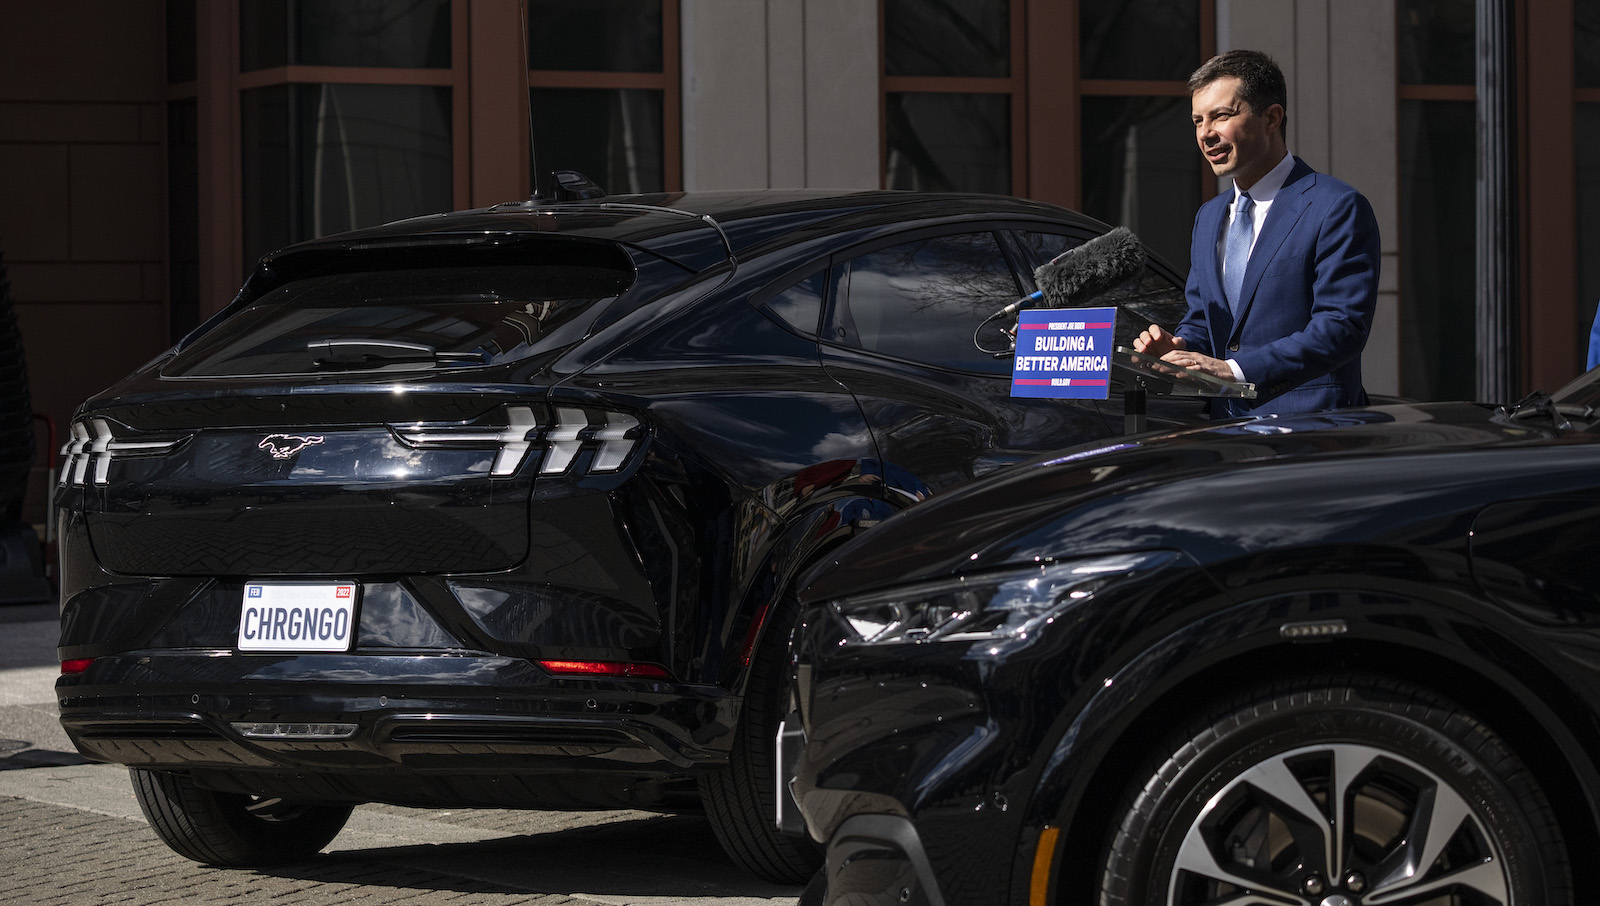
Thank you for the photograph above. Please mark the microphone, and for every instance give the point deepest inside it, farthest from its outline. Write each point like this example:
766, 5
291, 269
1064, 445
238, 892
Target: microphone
1081, 273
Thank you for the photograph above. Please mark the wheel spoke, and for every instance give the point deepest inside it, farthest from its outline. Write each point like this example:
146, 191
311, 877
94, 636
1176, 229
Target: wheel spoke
1349, 763
1486, 877
1274, 778
1195, 857
1440, 813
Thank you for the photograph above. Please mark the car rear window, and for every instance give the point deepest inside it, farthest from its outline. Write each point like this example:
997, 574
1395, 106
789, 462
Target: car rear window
404, 319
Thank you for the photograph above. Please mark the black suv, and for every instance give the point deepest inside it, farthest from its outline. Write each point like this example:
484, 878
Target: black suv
504, 507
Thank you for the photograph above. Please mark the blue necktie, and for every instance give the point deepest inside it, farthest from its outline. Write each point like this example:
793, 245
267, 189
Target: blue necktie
1236, 252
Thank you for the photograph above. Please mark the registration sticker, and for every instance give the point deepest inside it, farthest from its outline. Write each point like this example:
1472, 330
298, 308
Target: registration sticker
297, 616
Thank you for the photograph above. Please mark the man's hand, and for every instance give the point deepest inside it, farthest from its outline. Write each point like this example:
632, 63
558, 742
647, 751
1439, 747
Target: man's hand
1153, 341
1194, 361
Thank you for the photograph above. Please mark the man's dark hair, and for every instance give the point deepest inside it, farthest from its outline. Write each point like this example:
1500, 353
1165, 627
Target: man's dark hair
1260, 80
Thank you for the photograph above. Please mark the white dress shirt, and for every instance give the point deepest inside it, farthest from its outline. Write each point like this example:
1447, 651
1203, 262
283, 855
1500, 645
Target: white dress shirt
1262, 193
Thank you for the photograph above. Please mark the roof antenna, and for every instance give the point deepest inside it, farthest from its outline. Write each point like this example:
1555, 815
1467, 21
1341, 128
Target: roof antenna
557, 185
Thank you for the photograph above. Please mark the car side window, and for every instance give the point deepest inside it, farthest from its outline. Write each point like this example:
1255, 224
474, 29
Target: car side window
799, 305
923, 300
1048, 245
1152, 298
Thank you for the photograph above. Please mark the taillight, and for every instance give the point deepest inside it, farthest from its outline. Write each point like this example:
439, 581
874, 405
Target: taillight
86, 457
607, 668
75, 666
555, 442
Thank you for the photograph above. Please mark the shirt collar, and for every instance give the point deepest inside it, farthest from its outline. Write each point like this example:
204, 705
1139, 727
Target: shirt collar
1266, 188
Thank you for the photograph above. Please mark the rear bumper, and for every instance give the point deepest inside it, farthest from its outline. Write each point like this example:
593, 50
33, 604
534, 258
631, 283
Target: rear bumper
366, 722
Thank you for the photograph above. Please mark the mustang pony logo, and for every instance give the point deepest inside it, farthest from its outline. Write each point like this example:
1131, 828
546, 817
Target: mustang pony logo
284, 446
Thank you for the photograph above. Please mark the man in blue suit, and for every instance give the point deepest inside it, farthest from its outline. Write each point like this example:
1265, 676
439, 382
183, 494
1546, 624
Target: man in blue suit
1283, 279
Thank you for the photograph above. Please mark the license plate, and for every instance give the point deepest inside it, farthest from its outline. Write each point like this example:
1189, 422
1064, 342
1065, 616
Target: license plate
297, 616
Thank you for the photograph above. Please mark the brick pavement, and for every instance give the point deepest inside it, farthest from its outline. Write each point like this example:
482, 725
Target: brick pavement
72, 834
63, 856
79, 840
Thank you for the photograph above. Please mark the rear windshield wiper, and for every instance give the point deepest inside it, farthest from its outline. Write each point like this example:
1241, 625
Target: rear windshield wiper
352, 352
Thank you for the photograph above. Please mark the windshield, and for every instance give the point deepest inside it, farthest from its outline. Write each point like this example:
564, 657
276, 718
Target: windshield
404, 319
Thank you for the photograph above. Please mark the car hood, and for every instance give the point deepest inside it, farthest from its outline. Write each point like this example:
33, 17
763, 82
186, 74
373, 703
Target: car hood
1224, 490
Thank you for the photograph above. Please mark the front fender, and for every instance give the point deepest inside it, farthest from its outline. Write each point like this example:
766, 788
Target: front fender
806, 537
1452, 642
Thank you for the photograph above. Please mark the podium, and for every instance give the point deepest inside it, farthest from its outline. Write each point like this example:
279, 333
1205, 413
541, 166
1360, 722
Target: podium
1138, 376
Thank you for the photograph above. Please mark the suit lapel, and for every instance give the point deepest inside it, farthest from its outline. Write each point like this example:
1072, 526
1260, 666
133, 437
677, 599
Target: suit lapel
1287, 207
1213, 217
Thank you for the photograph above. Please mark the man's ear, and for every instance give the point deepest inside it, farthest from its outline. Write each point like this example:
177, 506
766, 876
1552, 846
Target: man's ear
1274, 117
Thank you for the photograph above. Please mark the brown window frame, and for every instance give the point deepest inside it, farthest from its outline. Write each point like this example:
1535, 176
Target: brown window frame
1014, 85
456, 77
669, 82
1046, 132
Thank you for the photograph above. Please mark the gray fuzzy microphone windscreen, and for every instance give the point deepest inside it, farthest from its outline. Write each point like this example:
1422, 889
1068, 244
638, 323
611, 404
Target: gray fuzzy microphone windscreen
1078, 275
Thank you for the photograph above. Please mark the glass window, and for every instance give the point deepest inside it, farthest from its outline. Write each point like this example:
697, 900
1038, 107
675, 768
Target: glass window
595, 35
417, 315
947, 142
600, 92
1046, 246
923, 300
1140, 170
963, 38
181, 41
375, 33
1437, 40
800, 306
183, 216
951, 73
1586, 44
270, 203
263, 34
1138, 39
1149, 299
611, 135
323, 158
1437, 216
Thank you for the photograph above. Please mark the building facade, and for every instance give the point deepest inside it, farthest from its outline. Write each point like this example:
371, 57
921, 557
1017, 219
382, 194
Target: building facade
151, 150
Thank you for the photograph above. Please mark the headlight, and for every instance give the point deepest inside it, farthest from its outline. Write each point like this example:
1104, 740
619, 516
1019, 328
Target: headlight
997, 606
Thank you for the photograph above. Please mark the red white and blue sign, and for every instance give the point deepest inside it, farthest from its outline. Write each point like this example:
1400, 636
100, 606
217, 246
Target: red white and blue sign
1064, 353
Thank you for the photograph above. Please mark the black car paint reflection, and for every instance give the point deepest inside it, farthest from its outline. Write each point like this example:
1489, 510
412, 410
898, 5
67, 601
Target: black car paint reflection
1436, 550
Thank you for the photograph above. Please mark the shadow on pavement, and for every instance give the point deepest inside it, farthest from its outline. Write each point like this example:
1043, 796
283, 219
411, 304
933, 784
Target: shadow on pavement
659, 856
16, 754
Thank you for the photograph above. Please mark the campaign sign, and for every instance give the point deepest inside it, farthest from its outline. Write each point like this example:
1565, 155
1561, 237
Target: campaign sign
1064, 353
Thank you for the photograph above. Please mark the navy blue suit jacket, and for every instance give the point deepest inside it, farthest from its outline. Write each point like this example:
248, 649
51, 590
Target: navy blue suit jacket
1308, 299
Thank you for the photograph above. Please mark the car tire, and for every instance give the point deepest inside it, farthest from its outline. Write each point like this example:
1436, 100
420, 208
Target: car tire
1239, 802
233, 829
741, 798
